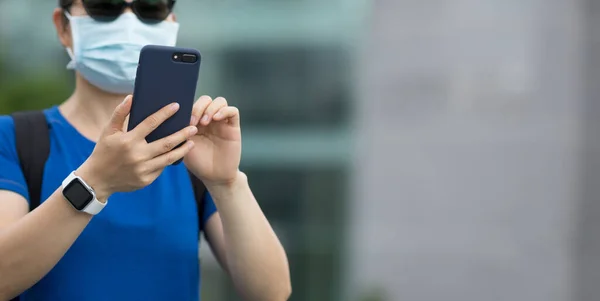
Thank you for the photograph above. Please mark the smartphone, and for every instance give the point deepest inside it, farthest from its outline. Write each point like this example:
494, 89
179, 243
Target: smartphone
165, 75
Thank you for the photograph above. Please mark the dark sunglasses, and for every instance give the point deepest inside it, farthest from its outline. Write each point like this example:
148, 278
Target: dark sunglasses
148, 11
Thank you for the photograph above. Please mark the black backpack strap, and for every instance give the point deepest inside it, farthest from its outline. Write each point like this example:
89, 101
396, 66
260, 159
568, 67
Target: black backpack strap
199, 192
33, 148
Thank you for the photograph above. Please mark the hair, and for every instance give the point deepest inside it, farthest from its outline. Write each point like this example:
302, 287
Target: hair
65, 3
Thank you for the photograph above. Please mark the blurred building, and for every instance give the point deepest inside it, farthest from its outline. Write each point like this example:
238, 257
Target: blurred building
289, 67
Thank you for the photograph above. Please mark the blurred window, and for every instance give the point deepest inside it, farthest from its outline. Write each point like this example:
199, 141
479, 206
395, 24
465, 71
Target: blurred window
288, 86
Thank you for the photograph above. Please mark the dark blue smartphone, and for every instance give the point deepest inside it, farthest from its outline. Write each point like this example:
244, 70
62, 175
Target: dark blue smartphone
165, 75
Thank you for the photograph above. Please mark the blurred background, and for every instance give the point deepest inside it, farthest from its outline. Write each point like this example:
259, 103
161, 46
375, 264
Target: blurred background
403, 149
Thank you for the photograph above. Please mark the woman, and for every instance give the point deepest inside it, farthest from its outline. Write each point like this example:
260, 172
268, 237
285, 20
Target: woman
143, 245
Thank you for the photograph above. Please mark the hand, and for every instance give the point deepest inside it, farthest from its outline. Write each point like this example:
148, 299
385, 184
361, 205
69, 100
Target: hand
123, 161
216, 155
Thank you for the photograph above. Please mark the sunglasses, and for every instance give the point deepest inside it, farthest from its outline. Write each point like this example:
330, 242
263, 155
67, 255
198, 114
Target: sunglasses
148, 11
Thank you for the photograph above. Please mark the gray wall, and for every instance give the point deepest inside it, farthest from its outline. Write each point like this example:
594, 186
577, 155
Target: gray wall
469, 163
587, 270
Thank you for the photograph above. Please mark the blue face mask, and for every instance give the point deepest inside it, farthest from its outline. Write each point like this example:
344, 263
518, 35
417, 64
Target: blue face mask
106, 53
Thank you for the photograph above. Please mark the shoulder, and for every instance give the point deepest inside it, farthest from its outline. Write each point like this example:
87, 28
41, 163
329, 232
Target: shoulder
52, 115
6, 123
7, 133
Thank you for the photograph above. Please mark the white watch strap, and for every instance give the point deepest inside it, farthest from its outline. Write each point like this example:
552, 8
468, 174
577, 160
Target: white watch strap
94, 206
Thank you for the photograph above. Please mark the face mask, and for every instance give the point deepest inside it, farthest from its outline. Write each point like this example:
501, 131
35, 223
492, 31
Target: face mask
106, 53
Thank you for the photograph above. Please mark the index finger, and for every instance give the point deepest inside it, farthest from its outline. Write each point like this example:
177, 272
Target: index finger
199, 108
153, 121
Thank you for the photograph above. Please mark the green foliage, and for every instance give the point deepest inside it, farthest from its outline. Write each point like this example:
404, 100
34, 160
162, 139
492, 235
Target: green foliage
32, 92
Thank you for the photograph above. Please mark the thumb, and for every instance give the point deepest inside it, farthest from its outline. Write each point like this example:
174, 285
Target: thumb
120, 115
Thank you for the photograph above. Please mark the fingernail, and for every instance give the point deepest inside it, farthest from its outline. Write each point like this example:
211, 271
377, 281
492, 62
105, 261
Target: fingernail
194, 119
174, 106
218, 115
205, 118
190, 144
193, 130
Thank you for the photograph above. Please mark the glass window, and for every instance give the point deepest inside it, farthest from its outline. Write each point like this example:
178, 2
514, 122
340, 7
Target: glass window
288, 87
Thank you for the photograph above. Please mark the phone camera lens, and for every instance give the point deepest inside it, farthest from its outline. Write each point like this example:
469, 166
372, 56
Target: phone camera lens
189, 58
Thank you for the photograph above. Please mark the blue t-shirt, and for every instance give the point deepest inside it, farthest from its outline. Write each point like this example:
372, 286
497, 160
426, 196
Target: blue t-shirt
142, 246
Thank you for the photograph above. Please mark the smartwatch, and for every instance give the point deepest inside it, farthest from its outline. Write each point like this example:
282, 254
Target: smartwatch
81, 196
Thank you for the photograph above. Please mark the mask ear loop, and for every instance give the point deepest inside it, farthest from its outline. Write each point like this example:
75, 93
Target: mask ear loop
72, 64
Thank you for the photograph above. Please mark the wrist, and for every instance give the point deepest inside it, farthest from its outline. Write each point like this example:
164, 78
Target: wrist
226, 187
92, 178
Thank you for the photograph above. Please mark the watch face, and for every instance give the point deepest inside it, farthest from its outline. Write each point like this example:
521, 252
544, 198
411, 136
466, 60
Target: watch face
77, 194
